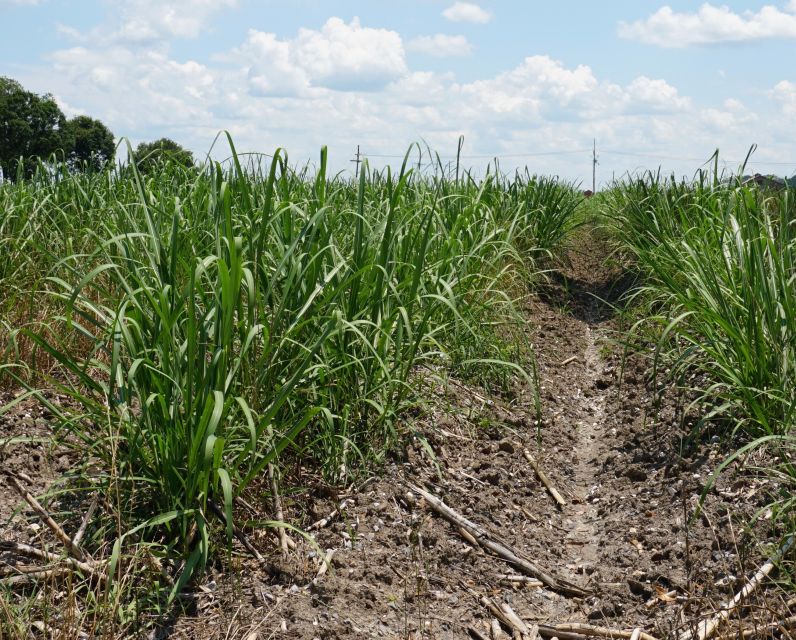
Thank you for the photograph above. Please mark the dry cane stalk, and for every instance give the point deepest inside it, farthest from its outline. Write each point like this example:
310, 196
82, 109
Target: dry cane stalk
35, 576
476, 634
708, 627
32, 552
74, 550
495, 631
497, 612
579, 629
530, 582
545, 480
516, 622
240, 535
86, 519
498, 548
325, 563
284, 541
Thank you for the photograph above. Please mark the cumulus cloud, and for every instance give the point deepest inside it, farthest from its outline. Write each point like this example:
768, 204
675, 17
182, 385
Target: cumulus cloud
148, 23
711, 25
134, 89
466, 12
145, 20
784, 93
440, 45
346, 84
535, 84
657, 94
343, 56
542, 89
733, 115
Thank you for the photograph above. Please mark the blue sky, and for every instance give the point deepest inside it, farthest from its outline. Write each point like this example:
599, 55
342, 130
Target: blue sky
530, 82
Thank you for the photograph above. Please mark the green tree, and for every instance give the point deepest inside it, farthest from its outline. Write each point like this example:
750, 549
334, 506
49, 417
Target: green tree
150, 155
31, 127
92, 142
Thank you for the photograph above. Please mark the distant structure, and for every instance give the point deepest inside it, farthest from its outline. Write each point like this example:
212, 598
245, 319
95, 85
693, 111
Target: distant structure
588, 193
765, 182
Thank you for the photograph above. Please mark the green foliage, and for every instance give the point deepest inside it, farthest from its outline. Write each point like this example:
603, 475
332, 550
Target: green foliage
150, 156
549, 206
34, 130
31, 127
204, 323
720, 266
92, 143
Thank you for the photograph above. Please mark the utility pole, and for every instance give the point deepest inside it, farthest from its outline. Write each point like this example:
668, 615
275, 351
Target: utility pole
357, 160
594, 167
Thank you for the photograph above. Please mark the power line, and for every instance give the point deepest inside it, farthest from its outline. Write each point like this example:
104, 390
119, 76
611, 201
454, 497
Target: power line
485, 156
633, 154
428, 160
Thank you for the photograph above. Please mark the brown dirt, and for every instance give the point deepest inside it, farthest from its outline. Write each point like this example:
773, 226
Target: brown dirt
26, 448
613, 448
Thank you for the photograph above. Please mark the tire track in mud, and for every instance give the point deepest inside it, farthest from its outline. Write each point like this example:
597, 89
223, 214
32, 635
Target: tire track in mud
581, 514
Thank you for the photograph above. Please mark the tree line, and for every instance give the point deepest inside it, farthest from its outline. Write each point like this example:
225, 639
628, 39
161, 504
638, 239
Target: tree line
33, 129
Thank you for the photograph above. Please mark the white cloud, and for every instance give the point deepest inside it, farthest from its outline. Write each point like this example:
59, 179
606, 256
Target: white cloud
134, 90
657, 94
149, 23
538, 81
784, 93
466, 12
149, 19
711, 25
341, 55
269, 66
732, 116
338, 56
440, 45
29, 3
304, 91
543, 90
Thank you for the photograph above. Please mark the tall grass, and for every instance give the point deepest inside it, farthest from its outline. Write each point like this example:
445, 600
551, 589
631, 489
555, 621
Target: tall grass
203, 322
720, 267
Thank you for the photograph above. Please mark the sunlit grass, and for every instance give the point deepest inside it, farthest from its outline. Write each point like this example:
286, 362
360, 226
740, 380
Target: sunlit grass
205, 322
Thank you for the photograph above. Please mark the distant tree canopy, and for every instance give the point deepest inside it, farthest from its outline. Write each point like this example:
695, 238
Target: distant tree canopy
92, 143
150, 155
33, 127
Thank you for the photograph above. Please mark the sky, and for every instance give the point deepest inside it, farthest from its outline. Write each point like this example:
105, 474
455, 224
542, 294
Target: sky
531, 83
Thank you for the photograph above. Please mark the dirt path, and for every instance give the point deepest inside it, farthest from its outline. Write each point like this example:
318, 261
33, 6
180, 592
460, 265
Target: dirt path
580, 515
400, 571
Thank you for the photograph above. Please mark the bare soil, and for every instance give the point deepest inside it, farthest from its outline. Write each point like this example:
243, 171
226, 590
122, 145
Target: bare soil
616, 448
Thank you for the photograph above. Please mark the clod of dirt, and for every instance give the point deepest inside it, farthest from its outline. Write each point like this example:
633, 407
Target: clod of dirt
636, 474
640, 589
506, 447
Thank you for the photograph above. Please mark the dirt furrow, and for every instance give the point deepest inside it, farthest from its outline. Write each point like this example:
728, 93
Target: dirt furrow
400, 571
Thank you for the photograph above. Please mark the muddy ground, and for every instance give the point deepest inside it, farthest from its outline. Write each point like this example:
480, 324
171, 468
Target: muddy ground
615, 449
